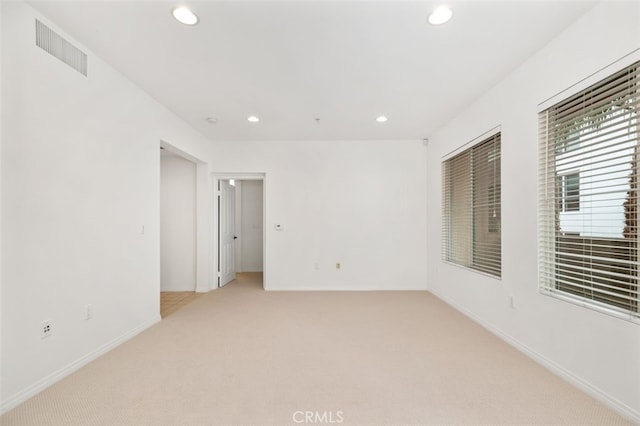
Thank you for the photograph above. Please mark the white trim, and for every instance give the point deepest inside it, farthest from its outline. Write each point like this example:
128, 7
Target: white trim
557, 369
72, 367
341, 289
590, 80
594, 305
474, 270
486, 135
238, 176
180, 153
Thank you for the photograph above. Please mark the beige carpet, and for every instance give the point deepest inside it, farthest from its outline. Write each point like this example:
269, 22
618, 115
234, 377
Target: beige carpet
244, 356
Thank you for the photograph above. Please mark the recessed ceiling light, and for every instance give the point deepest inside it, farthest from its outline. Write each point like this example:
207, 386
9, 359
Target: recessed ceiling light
185, 16
253, 119
440, 15
381, 119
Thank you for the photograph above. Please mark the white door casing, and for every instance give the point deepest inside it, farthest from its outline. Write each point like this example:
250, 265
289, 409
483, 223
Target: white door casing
215, 230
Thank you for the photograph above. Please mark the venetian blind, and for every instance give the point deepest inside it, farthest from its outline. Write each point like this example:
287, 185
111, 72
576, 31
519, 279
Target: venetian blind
471, 231
590, 252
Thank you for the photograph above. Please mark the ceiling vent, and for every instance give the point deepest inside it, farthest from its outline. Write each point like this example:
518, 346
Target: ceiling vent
52, 42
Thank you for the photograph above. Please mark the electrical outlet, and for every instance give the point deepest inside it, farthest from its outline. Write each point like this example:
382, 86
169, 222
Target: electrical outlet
88, 312
338, 265
513, 302
46, 328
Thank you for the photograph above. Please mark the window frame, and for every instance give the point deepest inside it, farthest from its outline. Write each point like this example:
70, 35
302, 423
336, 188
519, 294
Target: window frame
558, 202
486, 260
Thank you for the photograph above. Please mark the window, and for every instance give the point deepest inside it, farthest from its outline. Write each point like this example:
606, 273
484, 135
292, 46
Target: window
570, 192
588, 237
471, 207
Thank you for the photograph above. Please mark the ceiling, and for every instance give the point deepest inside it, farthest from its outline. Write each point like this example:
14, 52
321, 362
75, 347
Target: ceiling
314, 70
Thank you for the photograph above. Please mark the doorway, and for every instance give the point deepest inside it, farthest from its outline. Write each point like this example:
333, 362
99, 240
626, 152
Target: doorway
177, 231
184, 201
239, 200
249, 226
177, 223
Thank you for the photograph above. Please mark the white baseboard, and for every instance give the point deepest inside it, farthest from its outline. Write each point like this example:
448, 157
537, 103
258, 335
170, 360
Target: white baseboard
586, 387
74, 366
342, 289
330, 287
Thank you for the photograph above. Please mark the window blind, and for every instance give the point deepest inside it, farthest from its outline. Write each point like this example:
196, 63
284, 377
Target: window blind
588, 194
471, 232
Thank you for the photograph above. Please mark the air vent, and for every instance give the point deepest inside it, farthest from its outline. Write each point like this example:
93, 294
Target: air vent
52, 42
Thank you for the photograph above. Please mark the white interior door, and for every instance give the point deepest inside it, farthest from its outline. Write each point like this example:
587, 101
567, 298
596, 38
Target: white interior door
226, 232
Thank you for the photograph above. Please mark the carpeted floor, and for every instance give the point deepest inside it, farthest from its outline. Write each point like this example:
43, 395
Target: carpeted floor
244, 356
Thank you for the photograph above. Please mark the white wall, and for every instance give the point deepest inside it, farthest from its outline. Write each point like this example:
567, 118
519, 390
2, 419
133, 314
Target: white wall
360, 203
598, 352
1, 244
177, 223
80, 178
251, 226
